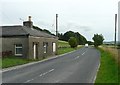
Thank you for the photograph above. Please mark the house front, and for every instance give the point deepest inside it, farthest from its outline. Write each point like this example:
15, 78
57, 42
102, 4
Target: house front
27, 42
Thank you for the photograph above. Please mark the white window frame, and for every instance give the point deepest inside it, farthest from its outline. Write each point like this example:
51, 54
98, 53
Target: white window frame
17, 47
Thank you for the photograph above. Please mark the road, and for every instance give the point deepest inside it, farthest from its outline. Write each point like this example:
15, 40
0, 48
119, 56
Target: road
77, 67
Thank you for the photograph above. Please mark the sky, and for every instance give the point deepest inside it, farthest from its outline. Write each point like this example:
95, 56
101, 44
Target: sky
87, 17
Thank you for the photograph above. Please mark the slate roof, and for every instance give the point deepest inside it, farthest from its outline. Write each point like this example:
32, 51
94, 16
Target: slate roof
18, 30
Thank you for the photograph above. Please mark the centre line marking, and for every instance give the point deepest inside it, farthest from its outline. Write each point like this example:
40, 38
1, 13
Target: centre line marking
57, 81
83, 53
40, 75
77, 57
51, 70
27, 81
46, 72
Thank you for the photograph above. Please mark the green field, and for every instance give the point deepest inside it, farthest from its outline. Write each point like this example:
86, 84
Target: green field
64, 50
64, 47
108, 71
63, 44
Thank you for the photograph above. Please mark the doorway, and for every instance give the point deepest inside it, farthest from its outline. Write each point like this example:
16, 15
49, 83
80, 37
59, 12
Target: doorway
35, 50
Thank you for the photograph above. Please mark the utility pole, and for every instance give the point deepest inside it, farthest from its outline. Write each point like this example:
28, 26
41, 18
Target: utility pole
115, 28
57, 25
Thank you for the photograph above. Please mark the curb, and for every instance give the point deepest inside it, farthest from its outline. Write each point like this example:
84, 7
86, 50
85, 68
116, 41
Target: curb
31, 63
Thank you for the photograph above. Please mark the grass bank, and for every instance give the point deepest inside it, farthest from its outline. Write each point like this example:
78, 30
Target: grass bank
108, 71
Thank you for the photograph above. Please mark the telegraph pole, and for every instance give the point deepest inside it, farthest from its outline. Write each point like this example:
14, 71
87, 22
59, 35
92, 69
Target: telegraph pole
115, 28
57, 25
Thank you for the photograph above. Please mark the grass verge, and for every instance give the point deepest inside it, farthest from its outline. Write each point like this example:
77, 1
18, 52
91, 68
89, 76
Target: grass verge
108, 71
13, 61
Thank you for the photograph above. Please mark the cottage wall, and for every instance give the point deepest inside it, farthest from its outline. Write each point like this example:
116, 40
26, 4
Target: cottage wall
8, 44
40, 48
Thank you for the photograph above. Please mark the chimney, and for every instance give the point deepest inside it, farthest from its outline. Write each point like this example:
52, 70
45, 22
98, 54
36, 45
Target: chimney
28, 23
29, 18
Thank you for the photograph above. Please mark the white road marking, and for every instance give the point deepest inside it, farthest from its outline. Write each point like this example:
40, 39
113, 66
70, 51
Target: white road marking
27, 81
96, 73
45, 73
51, 70
57, 81
77, 57
94, 79
40, 75
32, 79
83, 53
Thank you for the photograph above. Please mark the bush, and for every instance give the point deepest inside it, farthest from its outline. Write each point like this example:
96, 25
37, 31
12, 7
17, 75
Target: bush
6, 53
73, 42
98, 40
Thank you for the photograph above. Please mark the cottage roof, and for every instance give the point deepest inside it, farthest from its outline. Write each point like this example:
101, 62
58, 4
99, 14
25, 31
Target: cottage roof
7, 31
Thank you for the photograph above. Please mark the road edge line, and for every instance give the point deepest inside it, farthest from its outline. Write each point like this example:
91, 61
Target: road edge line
96, 73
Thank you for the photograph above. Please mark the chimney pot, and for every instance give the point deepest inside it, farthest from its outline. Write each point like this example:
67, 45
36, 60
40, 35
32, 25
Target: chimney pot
29, 18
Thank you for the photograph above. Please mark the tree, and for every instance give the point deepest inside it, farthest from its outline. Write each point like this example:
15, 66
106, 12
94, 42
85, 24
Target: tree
90, 43
98, 40
46, 31
37, 28
73, 42
60, 35
43, 30
67, 35
80, 39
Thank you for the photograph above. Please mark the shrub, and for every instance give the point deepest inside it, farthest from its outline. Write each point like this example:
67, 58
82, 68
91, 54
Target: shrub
73, 42
6, 53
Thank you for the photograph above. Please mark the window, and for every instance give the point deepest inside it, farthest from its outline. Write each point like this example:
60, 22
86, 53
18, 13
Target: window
45, 44
54, 47
18, 50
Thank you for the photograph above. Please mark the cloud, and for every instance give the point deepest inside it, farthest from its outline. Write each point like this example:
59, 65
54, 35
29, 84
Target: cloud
82, 27
79, 27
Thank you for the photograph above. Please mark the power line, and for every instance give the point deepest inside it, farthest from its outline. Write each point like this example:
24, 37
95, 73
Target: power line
6, 17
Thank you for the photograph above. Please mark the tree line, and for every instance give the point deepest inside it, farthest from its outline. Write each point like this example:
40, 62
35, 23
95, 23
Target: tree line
75, 38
